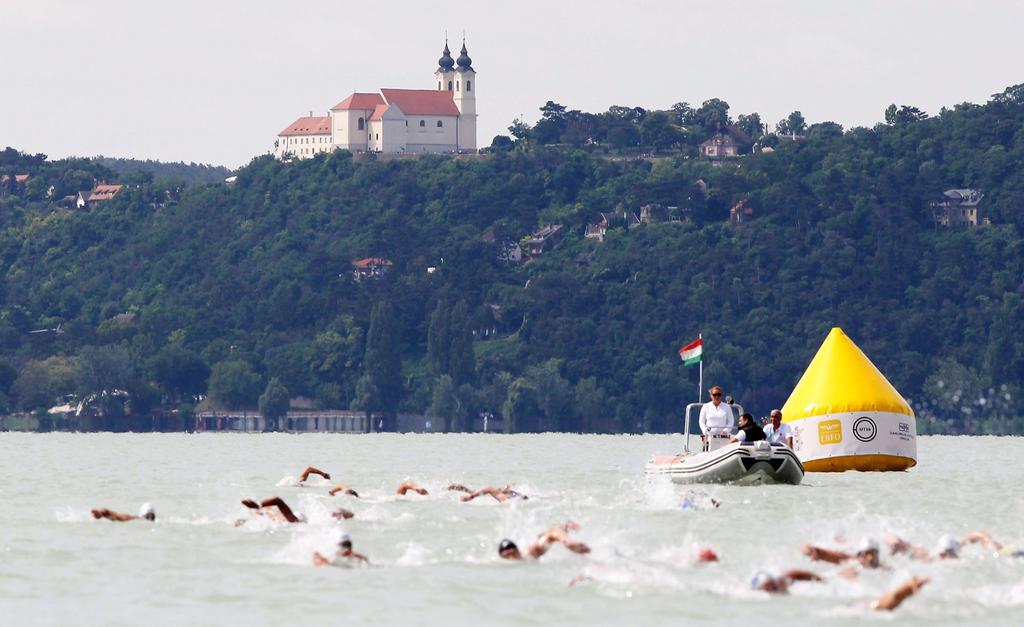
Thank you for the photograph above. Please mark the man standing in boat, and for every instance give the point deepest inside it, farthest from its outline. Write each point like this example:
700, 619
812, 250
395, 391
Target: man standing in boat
715, 416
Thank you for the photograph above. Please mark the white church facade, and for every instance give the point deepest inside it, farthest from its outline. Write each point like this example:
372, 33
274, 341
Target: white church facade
436, 120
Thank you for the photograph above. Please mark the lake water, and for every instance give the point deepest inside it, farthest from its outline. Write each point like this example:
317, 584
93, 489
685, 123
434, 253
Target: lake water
434, 559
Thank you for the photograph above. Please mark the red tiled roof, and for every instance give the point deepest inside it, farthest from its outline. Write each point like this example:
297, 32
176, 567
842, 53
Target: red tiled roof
365, 102
422, 101
378, 112
102, 192
308, 126
18, 178
372, 261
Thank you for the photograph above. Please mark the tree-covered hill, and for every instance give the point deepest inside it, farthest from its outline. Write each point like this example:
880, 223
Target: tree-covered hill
229, 287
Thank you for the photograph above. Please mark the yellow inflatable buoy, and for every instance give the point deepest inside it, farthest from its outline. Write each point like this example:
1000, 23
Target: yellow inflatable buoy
846, 415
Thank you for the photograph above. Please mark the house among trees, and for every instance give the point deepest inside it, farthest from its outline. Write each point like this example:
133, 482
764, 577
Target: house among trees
370, 268
958, 208
610, 220
654, 213
740, 213
544, 240
12, 184
509, 251
720, 145
99, 194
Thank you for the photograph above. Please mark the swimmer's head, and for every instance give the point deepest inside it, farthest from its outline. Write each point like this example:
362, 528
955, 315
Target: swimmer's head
508, 550
706, 555
346, 541
147, 511
764, 581
948, 547
867, 553
352, 492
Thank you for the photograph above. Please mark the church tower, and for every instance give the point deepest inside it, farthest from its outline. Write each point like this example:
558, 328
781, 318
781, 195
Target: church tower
445, 72
465, 99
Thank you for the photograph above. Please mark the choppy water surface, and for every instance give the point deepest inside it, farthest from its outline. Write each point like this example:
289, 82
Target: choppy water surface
434, 558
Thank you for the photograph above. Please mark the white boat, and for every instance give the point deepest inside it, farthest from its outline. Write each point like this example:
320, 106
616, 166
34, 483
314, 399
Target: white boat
738, 463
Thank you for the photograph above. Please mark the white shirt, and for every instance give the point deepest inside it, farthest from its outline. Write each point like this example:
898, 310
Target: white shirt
717, 418
778, 436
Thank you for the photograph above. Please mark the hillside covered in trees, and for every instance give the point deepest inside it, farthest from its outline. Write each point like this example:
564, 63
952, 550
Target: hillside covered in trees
169, 292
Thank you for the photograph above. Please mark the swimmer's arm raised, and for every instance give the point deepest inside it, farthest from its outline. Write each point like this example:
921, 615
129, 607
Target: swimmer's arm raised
310, 470
276, 501
892, 599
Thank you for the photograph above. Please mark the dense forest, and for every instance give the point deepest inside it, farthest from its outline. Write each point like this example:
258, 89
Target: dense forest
175, 290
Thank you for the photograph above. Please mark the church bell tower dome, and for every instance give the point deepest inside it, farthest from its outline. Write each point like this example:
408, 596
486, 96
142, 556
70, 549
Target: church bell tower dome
446, 62
465, 63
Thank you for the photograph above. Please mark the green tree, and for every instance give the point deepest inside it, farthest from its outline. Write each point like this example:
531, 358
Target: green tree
41, 384
439, 339
234, 385
462, 366
274, 401
382, 364
520, 408
178, 372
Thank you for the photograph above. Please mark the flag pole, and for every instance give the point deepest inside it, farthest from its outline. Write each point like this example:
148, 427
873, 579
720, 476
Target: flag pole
700, 380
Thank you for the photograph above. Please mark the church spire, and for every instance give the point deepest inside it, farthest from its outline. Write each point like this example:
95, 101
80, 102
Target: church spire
446, 62
465, 63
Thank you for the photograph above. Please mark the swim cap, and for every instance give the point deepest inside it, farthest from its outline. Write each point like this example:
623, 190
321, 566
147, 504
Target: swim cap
344, 537
868, 545
948, 544
147, 508
505, 545
761, 578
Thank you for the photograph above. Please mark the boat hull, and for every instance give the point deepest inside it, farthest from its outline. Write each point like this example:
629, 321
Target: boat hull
738, 464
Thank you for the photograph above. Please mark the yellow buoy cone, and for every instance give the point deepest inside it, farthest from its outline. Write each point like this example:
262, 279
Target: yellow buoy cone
847, 416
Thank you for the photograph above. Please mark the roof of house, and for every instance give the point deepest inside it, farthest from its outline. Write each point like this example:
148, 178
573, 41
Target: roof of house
722, 139
422, 101
308, 125
545, 232
372, 261
742, 207
362, 101
103, 191
18, 178
964, 197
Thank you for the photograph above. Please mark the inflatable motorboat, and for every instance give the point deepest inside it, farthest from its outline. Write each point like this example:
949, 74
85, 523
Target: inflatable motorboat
738, 463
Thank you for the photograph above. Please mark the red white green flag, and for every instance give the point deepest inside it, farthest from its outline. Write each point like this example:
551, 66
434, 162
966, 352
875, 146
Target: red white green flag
692, 352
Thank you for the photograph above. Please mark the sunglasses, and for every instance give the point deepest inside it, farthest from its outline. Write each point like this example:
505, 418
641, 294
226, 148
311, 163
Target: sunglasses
717, 394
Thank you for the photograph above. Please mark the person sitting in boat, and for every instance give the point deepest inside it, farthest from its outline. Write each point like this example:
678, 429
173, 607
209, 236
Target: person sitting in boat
778, 433
715, 416
749, 431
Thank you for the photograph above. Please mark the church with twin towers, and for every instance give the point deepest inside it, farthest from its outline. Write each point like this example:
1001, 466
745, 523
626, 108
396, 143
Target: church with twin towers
441, 119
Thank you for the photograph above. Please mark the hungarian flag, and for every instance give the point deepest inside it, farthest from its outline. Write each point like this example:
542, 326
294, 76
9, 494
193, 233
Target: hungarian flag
692, 353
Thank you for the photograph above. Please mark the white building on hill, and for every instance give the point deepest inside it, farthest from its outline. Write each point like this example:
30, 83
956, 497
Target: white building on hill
395, 120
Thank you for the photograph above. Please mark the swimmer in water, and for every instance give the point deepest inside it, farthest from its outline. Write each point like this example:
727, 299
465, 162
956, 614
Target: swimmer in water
499, 494
313, 471
556, 535
344, 552
985, 540
341, 487
948, 547
275, 508
146, 512
407, 486
342, 514
766, 582
866, 555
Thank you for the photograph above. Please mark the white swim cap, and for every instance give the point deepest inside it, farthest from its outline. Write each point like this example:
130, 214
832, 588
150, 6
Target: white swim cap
867, 544
344, 537
147, 508
761, 578
948, 544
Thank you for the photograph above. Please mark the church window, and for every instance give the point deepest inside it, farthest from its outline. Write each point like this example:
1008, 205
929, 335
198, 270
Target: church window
440, 124
469, 85
449, 85
362, 124
438, 85
423, 123
456, 85
376, 136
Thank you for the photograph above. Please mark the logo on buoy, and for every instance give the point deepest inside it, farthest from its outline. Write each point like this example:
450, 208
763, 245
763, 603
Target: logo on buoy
864, 429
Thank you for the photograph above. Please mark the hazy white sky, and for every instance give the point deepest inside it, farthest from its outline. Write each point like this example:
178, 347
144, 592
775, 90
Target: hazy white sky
214, 81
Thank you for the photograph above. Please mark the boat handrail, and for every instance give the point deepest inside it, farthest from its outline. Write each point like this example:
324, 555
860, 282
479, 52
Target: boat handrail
737, 409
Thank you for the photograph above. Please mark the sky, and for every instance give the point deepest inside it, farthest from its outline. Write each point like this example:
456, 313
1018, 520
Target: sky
214, 81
